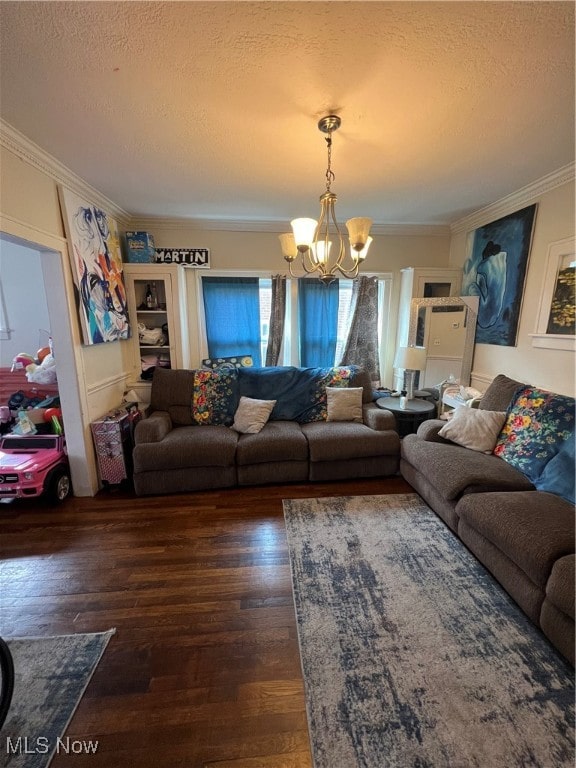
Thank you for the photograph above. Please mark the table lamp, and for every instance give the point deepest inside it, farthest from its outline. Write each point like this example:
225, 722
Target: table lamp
411, 359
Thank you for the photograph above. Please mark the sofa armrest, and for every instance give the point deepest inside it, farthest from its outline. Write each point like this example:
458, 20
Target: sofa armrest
428, 431
153, 429
378, 418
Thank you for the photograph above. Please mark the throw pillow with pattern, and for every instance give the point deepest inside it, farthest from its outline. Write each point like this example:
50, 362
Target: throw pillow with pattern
215, 396
339, 376
537, 425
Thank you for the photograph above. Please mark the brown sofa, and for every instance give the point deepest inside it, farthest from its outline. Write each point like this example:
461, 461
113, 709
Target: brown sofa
173, 454
523, 536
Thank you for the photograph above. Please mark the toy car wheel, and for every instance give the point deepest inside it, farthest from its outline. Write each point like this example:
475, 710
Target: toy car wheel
59, 487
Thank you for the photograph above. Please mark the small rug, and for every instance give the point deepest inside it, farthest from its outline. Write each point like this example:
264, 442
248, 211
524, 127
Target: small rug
51, 675
413, 655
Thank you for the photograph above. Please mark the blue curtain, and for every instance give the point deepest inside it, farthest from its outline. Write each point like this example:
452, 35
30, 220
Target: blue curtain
232, 312
318, 317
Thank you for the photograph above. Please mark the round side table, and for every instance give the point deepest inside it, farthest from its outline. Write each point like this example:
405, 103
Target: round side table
408, 419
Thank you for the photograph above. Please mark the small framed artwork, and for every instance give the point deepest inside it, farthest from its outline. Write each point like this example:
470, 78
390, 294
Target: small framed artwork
94, 248
556, 325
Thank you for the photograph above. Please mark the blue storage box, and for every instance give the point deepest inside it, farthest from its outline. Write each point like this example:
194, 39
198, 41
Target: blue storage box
140, 247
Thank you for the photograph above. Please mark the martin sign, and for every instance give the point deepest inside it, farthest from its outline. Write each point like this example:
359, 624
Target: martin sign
189, 257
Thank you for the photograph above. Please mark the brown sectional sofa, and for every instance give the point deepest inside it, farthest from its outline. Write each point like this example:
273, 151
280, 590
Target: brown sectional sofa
523, 536
173, 454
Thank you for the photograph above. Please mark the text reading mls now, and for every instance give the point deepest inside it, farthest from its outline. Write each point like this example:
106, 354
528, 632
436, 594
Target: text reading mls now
42, 745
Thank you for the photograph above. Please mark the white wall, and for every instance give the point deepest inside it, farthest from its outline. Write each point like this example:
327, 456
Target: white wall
389, 253
24, 298
547, 368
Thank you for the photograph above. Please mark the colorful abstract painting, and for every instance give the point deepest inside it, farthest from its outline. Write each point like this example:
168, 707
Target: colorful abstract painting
94, 248
495, 272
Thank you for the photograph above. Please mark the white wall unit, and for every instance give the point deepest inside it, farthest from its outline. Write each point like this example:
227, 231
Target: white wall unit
168, 312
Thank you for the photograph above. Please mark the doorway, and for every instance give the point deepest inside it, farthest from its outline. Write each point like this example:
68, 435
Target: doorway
71, 381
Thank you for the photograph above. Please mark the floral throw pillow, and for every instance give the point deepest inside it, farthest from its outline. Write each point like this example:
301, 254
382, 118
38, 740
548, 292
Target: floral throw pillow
536, 427
338, 376
215, 396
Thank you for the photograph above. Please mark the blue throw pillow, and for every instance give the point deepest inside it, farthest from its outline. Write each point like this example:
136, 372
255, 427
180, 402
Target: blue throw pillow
558, 475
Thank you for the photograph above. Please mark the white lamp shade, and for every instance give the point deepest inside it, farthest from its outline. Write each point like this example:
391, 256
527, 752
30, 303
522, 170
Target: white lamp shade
358, 231
304, 231
410, 358
288, 245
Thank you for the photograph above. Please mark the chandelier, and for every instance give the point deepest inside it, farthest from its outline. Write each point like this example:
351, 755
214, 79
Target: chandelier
320, 244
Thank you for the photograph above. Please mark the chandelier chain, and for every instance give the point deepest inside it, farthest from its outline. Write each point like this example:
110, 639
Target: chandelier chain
330, 175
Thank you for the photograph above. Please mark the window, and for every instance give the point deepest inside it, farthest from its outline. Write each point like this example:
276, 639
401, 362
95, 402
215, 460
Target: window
318, 321
315, 331
232, 317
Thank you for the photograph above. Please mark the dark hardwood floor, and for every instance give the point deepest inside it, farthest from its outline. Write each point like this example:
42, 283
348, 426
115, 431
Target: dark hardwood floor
204, 668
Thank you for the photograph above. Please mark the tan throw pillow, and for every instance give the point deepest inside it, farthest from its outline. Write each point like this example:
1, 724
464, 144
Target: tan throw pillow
474, 429
251, 415
344, 403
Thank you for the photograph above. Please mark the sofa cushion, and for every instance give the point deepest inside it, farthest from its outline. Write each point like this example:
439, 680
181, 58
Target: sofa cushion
277, 441
474, 429
454, 470
251, 415
344, 404
537, 425
501, 392
560, 585
186, 447
172, 392
153, 429
300, 393
215, 396
347, 440
378, 418
361, 378
532, 528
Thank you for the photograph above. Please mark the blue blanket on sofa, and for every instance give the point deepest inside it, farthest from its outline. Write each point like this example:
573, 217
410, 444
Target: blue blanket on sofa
300, 393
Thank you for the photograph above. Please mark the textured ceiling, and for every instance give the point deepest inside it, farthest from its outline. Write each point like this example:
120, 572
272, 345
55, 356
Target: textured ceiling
208, 110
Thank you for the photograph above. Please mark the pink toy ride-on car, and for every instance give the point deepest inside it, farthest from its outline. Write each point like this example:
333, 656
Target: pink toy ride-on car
34, 465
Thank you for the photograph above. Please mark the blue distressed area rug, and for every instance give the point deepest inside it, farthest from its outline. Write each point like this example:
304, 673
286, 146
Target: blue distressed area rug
50, 677
413, 655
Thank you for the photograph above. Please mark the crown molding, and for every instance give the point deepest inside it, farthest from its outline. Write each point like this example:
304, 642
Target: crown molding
34, 155
516, 200
275, 227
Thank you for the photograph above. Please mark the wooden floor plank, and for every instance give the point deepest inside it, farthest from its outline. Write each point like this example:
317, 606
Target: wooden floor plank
204, 668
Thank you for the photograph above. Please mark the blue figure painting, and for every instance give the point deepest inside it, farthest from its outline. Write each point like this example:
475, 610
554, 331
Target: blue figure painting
495, 272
